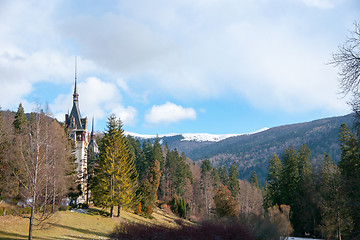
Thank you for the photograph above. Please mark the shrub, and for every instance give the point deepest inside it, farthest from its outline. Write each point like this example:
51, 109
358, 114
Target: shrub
138, 209
207, 230
149, 210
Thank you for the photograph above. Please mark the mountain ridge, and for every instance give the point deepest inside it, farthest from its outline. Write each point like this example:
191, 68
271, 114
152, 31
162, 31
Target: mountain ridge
253, 151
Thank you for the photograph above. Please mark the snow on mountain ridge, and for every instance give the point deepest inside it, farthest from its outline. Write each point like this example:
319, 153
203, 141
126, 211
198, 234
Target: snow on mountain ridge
198, 137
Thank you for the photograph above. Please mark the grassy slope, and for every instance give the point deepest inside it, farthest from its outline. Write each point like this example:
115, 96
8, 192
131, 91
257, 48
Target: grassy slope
73, 225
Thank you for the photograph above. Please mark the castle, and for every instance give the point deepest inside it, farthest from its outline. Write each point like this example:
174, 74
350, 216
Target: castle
78, 131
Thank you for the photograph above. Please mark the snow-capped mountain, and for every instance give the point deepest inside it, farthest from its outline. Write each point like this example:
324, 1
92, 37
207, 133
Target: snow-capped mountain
198, 137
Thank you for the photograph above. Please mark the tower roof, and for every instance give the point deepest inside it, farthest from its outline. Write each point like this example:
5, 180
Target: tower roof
74, 120
92, 144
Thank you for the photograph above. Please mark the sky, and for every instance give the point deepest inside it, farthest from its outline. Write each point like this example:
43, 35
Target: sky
176, 66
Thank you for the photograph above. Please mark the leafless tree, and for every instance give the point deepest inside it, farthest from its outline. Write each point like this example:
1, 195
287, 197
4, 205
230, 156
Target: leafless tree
348, 61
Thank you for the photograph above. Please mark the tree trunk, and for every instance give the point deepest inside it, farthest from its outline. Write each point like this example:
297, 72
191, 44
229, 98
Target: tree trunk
112, 211
54, 197
31, 222
119, 209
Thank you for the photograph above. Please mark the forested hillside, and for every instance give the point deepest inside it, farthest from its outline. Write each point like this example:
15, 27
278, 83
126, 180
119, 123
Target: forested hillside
252, 151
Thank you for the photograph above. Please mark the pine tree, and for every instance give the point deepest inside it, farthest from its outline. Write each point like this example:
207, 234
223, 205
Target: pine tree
116, 176
289, 177
335, 212
272, 189
158, 154
254, 180
350, 171
20, 122
305, 210
233, 179
224, 176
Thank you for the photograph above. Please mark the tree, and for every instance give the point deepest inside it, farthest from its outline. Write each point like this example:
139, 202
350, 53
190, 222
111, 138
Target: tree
226, 205
233, 179
115, 177
304, 211
350, 171
289, 177
348, 60
272, 189
20, 120
224, 176
335, 211
207, 185
254, 180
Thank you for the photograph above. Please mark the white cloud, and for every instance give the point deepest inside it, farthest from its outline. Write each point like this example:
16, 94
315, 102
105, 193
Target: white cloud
127, 115
169, 113
324, 4
208, 50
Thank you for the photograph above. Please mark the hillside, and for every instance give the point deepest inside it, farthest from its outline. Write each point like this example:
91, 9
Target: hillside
253, 151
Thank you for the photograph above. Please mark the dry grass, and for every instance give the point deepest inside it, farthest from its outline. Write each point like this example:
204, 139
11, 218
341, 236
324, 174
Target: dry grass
73, 225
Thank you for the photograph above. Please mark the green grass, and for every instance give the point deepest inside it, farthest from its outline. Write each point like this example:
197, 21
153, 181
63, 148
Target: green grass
73, 225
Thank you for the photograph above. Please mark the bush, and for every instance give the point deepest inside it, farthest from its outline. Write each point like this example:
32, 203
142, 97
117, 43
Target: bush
207, 230
149, 210
138, 209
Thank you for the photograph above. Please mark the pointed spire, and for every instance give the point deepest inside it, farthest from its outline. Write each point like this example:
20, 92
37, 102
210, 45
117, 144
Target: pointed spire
92, 129
75, 95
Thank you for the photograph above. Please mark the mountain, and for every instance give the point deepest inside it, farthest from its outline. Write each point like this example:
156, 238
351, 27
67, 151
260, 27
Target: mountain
253, 151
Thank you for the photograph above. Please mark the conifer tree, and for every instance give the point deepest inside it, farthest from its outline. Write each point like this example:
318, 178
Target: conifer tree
272, 189
335, 212
233, 179
20, 122
305, 210
158, 154
350, 171
224, 176
254, 180
116, 174
289, 177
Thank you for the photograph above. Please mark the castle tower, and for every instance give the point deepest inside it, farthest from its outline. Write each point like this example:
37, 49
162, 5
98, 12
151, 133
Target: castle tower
77, 128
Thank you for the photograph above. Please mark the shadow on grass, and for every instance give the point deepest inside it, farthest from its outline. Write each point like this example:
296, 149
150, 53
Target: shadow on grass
11, 236
80, 230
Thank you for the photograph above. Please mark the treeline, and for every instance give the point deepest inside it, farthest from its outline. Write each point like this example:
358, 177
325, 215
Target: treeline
35, 161
324, 203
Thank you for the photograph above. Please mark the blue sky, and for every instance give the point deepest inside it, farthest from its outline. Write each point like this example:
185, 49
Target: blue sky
214, 66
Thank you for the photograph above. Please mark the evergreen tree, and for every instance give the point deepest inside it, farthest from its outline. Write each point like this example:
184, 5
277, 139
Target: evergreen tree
115, 182
224, 176
272, 189
254, 180
233, 179
158, 154
20, 122
350, 171
305, 210
335, 212
289, 177
215, 177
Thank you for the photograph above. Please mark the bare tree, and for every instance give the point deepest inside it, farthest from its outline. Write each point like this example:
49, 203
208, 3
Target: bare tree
348, 60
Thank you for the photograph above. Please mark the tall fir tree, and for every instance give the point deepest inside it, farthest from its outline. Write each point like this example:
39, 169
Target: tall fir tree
115, 177
336, 218
305, 209
233, 179
254, 180
272, 189
350, 171
20, 122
